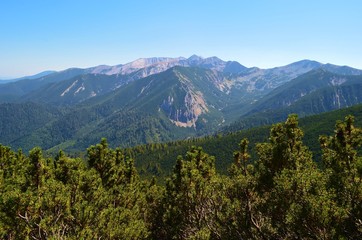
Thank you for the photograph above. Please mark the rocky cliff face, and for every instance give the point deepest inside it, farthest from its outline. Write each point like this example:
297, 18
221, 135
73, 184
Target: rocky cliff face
187, 110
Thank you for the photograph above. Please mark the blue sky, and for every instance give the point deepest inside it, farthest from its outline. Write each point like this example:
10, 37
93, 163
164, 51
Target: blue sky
43, 35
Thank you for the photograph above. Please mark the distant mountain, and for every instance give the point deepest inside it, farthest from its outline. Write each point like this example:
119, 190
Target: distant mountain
76, 89
252, 83
16, 90
3, 81
157, 64
160, 64
234, 67
257, 80
132, 71
312, 93
73, 86
164, 99
181, 94
304, 85
174, 104
38, 75
263, 80
342, 70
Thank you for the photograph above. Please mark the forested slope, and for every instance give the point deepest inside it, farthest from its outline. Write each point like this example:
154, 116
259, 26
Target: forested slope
158, 159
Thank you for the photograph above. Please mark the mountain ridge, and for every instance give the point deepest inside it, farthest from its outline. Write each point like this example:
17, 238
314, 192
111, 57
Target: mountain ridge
164, 99
182, 61
315, 92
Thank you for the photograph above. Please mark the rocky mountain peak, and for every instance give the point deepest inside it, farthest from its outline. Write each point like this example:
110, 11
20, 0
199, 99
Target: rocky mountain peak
195, 58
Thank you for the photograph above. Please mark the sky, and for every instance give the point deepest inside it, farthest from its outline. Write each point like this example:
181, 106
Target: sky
43, 35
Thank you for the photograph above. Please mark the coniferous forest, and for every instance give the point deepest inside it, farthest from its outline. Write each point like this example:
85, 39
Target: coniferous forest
282, 194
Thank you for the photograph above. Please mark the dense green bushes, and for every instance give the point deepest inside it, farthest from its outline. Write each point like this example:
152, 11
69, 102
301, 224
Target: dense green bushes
281, 195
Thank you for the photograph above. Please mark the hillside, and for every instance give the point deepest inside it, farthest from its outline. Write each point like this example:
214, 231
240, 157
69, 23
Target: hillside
17, 121
158, 159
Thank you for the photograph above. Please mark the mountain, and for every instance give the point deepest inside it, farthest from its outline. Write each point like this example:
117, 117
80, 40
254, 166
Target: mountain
164, 99
154, 65
251, 83
2, 81
35, 76
177, 103
137, 69
182, 94
38, 75
255, 80
76, 89
342, 70
16, 90
73, 86
314, 81
181, 101
160, 64
263, 80
315, 92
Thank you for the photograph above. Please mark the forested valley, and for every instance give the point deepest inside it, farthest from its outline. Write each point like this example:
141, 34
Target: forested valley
281, 193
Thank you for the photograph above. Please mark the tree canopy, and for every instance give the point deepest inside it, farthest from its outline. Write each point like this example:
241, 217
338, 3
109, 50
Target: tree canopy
283, 194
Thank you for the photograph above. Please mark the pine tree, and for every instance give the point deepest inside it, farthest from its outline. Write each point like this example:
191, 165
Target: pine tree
343, 162
122, 199
192, 203
243, 221
295, 203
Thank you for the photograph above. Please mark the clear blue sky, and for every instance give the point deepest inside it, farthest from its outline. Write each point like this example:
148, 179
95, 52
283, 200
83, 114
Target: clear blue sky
39, 35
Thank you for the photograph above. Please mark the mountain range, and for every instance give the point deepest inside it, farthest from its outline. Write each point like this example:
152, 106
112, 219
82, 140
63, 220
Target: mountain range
164, 99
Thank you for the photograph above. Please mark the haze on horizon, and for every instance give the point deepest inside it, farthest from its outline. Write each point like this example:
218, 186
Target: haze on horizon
56, 35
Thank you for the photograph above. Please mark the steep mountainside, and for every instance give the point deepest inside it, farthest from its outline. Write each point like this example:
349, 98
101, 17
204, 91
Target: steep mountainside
174, 104
187, 97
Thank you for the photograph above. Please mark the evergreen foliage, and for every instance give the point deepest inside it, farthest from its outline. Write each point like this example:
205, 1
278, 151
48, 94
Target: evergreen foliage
283, 194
